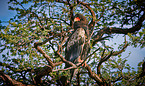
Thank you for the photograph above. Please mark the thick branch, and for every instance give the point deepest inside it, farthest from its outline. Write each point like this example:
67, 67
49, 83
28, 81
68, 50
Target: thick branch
43, 53
46, 70
137, 27
11, 82
112, 30
93, 75
65, 61
37, 44
58, 63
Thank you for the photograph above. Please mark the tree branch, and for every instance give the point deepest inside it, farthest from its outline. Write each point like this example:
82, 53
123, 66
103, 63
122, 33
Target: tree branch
119, 52
11, 82
61, 1
100, 63
65, 69
101, 15
37, 44
78, 79
71, 11
89, 56
93, 75
65, 61
119, 78
42, 72
43, 53
71, 14
61, 20
112, 30
101, 38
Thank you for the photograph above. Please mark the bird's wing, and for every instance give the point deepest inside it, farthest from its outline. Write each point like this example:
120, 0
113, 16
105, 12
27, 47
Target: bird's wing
85, 51
75, 45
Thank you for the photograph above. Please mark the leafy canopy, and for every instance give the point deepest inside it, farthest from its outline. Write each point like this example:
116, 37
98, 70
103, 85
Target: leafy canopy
33, 43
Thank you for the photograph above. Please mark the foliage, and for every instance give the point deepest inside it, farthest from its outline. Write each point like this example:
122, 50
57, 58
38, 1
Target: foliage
34, 41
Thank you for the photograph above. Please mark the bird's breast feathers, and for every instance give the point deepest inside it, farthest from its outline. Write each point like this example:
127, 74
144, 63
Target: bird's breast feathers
76, 36
81, 32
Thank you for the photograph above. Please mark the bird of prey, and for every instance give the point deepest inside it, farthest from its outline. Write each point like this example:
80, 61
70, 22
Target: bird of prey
78, 44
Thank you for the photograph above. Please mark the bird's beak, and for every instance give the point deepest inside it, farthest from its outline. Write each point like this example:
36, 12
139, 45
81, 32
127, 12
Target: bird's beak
77, 19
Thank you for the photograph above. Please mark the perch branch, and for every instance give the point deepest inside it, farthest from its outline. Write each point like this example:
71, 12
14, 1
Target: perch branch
64, 60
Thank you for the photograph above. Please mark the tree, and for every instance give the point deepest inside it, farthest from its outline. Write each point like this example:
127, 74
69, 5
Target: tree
33, 43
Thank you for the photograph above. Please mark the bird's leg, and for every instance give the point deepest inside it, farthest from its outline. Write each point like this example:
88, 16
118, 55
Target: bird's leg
80, 61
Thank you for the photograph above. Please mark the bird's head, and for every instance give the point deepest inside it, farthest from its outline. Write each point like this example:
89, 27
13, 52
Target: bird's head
80, 18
